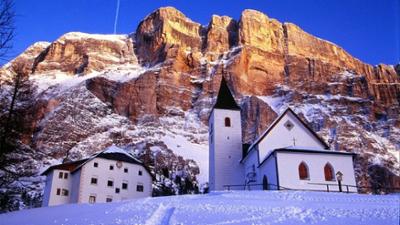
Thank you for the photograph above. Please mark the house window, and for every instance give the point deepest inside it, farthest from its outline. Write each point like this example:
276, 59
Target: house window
111, 167
227, 122
110, 183
109, 199
65, 192
58, 191
93, 180
124, 185
60, 175
92, 199
140, 173
117, 190
65, 175
328, 171
303, 171
139, 188
95, 164
125, 170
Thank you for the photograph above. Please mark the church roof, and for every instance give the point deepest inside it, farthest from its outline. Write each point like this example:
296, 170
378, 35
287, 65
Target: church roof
273, 124
225, 99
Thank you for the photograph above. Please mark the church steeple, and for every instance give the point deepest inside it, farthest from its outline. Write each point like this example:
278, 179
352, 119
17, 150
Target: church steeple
225, 99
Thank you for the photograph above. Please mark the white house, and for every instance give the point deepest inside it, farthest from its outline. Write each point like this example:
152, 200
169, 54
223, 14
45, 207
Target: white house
111, 175
287, 155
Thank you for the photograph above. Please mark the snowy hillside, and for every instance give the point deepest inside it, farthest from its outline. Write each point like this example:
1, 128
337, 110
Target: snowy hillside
151, 93
250, 207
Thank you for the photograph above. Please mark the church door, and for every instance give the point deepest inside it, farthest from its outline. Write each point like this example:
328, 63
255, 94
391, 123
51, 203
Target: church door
265, 183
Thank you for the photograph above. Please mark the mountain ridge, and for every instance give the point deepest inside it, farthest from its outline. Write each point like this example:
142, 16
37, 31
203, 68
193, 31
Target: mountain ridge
149, 89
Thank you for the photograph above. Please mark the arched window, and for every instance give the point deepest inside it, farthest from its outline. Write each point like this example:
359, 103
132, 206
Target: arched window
328, 171
303, 171
227, 122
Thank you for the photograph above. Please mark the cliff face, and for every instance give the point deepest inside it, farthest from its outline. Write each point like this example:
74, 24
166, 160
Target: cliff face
76, 53
161, 83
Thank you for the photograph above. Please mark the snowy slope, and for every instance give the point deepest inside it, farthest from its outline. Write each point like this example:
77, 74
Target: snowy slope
245, 207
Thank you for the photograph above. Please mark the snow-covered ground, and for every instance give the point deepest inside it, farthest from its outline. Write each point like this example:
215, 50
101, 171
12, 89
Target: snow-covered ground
240, 207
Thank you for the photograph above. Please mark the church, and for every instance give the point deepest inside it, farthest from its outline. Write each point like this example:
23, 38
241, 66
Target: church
287, 155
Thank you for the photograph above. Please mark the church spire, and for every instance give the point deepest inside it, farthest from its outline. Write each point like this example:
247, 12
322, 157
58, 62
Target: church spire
225, 99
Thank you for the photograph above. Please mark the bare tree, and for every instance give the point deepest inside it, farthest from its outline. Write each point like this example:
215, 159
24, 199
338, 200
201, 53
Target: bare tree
7, 29
13, 115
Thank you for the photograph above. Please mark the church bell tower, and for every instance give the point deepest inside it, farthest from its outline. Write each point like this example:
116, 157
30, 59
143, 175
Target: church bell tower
225, 141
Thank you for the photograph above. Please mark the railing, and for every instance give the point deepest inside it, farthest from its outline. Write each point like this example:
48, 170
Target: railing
248, 186
346, 188
340, 187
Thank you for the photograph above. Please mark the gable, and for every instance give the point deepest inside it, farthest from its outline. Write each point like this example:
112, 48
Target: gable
286, 131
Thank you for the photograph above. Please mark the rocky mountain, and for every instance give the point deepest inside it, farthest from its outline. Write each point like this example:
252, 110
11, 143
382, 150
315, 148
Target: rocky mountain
152, 92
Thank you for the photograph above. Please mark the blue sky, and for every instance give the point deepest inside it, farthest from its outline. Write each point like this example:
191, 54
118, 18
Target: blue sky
367, 29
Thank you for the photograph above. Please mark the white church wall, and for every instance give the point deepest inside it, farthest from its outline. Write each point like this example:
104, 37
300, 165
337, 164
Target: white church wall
226, 150
59, 189
281, 137
211, 155
250, 164
101, 191
268, 168
288, 163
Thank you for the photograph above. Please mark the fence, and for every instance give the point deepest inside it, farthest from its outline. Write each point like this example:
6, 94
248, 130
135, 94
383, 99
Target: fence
324, 187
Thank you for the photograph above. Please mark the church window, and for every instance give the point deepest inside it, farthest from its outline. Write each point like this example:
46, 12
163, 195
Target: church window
303, 171
289, 125
328, 171
227, 122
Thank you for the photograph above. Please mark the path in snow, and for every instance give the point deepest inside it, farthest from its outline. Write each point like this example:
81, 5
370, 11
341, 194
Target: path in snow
244, 207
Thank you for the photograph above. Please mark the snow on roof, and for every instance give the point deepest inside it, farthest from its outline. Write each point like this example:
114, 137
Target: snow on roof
110, 152
115, 149
305, 148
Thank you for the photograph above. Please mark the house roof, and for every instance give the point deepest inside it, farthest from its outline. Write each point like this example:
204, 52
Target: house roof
273, 124
112, 153
225, 98
70, 166
293, 149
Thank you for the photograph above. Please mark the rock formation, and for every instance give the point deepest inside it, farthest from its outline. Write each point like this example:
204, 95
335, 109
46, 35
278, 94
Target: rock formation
161, 82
